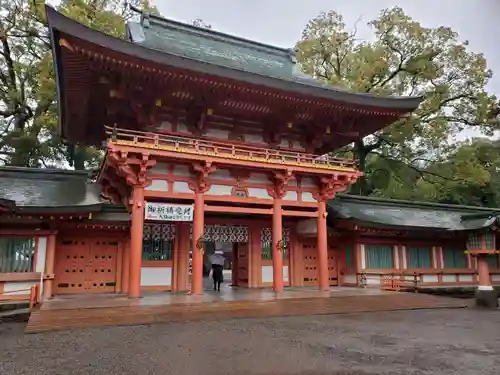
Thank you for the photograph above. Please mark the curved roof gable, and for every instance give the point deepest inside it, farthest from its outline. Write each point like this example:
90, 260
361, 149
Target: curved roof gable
204, 51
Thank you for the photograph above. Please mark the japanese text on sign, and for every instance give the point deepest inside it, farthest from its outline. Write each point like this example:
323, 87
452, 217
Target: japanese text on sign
168, 212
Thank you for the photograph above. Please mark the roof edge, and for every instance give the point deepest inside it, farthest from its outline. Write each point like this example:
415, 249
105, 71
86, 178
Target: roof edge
416, 204
212, 33
61, 23
60, 209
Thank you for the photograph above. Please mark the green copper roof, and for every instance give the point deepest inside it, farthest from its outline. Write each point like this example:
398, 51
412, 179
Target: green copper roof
413, 215
238, 54
217, 48
48, 190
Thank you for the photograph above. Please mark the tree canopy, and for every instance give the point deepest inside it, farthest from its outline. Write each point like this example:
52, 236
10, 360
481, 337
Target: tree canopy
405, 58
415, 158
28, 115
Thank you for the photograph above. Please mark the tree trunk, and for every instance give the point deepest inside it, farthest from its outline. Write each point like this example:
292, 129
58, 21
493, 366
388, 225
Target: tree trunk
360, 154
79, 158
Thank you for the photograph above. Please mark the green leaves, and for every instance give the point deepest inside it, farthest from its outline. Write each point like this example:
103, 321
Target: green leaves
28, 108
405, 58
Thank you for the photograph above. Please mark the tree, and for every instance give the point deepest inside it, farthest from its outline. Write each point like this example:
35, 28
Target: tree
470, 175
28, 108
405, 58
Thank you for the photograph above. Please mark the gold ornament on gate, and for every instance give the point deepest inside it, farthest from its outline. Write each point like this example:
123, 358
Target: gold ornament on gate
200, 244
280, 245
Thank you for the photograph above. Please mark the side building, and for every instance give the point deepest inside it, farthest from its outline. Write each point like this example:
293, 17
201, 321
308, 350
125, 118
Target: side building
56, 231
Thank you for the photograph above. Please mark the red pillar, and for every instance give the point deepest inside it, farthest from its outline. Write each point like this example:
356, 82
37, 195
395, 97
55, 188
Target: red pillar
126, 265
324, 282
277, 254
198, 228
136, 231
483, 273
49, 266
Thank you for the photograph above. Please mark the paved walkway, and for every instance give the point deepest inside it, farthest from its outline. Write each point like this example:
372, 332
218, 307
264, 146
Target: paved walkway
463, 341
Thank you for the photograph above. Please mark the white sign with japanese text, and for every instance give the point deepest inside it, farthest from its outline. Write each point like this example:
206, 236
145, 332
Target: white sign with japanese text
168, 212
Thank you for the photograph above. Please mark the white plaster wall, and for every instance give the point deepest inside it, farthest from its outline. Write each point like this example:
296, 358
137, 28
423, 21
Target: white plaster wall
429, 278
465, 278
350, 279
363, 257
373, 279
156, 276
290, 196
267, 274
158, 185
396, 256
219, 190
495, 278
449, 278
11, 286
285, 274
258, 193
403, 252
41, 254
308, 197
181, 187
434, 257
41, 257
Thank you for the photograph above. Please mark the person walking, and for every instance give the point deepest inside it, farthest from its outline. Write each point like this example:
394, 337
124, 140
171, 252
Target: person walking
217, 259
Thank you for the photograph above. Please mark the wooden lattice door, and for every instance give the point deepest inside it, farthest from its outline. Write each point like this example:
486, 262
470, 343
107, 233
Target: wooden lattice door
102, 266
242, 264
311, 266
310, 263
84, 266
333, 274
71, 271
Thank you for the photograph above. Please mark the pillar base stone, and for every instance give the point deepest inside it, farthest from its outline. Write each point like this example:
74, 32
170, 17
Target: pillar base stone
487, 299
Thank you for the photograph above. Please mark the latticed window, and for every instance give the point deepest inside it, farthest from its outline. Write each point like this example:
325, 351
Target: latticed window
419, 257
158, 242
349, 256
474, 241
489, 240
266, 242
379, 256
17, 254
454, 257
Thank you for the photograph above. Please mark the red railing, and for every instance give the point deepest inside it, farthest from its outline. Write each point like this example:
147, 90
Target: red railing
225, 150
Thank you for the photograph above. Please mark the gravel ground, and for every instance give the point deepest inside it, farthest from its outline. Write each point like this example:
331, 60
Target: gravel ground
464, 341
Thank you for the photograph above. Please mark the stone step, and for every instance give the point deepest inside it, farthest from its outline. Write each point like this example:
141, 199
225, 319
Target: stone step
46, 320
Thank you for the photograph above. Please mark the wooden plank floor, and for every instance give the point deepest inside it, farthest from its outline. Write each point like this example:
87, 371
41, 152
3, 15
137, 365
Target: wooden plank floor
130, 314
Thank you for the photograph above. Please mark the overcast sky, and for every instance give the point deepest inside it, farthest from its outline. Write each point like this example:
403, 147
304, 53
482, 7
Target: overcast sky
280, 22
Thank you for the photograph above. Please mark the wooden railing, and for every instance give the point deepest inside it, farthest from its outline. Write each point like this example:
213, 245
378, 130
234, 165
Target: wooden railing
181, 144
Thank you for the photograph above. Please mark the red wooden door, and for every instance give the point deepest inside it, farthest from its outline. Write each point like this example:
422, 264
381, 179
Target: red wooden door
311, 267
242, 265
102, 266
71, 273
86, 266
